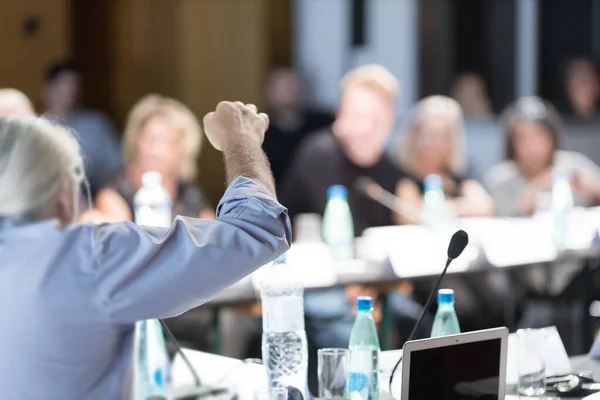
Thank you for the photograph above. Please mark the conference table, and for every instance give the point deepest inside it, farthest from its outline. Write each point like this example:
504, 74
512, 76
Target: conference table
387, 256
410, 252
243, 378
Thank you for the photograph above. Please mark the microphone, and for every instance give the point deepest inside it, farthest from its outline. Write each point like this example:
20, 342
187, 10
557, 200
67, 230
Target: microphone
458, 243
374, 191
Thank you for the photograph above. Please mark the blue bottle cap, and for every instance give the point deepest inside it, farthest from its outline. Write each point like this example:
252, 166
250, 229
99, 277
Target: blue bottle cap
445, 296
337, 191
433, 182
364, 303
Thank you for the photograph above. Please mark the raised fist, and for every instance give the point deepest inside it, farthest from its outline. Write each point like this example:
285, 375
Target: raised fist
235, 121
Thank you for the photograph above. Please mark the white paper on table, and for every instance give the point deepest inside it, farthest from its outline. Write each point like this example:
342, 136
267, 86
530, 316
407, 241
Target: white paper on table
555, 359
242, 379
511, 241
416, 251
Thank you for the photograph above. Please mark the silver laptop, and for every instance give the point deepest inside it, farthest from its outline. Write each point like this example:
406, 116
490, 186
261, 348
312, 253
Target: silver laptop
469, 366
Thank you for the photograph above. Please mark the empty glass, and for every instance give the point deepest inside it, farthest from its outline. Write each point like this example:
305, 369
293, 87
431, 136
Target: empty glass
332, 370
273, 393
531, 366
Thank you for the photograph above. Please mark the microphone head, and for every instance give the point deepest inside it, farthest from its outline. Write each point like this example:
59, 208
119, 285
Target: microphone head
457, 244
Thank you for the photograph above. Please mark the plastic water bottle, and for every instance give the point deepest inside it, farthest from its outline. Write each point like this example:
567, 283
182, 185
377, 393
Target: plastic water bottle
435, 212
152, 205
364, 353
284, 346
445, 322
152, 361
152, 202
562, 205
338, 226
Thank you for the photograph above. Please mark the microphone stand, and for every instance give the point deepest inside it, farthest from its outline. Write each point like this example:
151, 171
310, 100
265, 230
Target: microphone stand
421, 317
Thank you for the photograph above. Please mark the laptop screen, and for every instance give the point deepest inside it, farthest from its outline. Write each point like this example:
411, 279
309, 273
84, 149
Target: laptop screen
466, 371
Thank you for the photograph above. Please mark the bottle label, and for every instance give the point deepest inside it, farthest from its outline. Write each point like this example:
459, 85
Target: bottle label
364, 373
283, 314
146, 216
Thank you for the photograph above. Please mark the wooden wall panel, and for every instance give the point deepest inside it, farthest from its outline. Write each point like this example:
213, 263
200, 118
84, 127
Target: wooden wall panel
26, 53
223, 57
198, 51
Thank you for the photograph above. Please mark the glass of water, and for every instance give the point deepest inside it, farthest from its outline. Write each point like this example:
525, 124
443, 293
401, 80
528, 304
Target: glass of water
332, 371
531, 366
272, 393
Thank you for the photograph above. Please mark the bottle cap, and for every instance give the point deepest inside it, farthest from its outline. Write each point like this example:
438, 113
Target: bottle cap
337, 191
445, 296
364, 303
433, 182
151, 178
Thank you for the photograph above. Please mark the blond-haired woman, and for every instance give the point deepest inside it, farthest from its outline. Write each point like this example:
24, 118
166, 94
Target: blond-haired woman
434, 144
161, 135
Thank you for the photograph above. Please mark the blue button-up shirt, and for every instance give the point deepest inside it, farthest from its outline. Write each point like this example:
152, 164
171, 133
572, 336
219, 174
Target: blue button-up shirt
70, 296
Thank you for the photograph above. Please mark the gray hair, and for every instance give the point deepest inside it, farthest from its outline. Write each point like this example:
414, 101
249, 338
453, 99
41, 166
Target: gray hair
13, 101
35, 158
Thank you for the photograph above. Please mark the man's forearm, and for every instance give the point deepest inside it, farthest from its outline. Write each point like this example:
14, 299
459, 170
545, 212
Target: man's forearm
247, 159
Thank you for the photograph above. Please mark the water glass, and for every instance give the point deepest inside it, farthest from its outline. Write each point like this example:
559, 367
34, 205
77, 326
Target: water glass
531, 366
272, 393
332, 371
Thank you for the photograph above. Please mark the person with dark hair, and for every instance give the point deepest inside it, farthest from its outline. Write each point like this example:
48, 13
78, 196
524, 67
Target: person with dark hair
470, 92
291, 121
94, 130
582, 88
521, 184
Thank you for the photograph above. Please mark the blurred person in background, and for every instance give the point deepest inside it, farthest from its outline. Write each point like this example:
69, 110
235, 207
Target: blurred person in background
94, 130
364, 122
582, 89
434, 144
291, 122
162, 135
521, 185
72, 315
14, 102
471, 94
352, 148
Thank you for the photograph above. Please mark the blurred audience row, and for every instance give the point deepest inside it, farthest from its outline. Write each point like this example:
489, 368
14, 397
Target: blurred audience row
311, 150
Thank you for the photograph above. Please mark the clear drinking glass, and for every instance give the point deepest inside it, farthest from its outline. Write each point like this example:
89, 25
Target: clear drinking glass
531, 366
273, 393
332, 371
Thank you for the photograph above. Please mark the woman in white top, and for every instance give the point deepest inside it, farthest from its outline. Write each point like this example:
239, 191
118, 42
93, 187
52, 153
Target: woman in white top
71, 293
521, 184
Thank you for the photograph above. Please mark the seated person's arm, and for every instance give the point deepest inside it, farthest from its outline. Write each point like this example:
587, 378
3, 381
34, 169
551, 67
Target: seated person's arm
411, 198
527, 201
474, 201
111, 207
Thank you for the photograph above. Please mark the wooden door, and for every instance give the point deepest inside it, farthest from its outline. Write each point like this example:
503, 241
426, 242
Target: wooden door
33, 35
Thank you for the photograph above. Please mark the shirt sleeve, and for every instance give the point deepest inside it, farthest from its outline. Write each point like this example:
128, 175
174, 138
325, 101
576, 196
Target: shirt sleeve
148, 273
